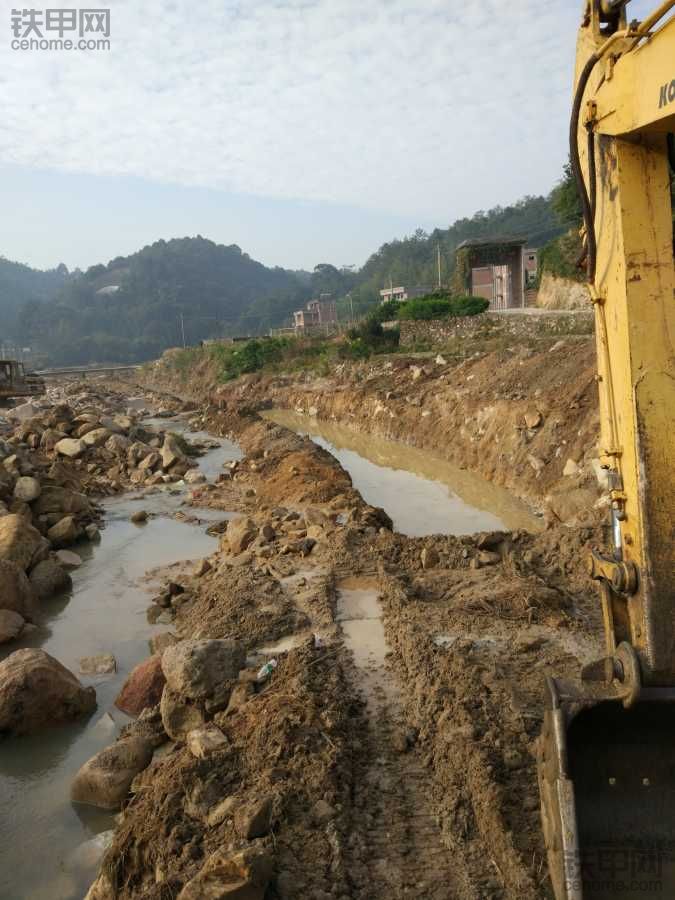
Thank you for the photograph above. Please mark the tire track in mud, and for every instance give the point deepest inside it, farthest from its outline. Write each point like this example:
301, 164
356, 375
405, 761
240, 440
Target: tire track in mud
395, 848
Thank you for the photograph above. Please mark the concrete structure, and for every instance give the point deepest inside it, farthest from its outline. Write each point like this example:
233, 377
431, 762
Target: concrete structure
318, 314
492, 268
401, 294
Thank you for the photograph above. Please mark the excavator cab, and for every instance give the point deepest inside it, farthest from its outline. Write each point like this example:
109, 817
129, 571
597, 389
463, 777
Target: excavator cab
606, 754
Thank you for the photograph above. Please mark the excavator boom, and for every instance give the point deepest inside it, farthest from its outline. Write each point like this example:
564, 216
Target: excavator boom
607, 750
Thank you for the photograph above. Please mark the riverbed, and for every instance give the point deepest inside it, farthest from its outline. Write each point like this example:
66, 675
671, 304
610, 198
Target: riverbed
49, 846
422, 493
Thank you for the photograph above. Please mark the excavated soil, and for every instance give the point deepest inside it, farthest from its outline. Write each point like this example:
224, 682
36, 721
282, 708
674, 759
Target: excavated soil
394, 740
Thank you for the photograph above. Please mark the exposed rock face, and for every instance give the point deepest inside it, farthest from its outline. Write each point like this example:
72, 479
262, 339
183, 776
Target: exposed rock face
201, 669
143, 687
105, 779
27, 489
11, 624
37, 691
19, 541
235, 876
16, 592
70, 447
48, 578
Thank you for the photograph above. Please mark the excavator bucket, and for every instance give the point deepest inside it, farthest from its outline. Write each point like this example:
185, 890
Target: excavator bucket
607, 784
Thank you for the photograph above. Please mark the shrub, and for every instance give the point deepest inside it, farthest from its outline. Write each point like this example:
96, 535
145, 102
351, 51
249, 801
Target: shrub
438, 306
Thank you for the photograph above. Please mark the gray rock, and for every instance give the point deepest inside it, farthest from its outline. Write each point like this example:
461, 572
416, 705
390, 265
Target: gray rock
27, 489
101, 664
179, 715
16, 591
203, 669
70, 447
105, 779
11, 624
65, 532
48, 578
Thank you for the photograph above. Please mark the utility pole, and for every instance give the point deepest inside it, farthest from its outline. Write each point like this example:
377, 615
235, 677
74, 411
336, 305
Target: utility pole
182, 328
438, 248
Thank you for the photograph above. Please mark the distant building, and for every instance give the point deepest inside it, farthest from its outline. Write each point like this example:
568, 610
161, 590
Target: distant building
109, 289
401, 294
498, 269
319, 314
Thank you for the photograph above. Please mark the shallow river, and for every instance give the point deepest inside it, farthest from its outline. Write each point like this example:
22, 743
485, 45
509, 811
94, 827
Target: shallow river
423, 493
44, 854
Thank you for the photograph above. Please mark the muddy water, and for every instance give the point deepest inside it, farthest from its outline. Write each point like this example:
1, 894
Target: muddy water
360, 616
42, 834
423, 493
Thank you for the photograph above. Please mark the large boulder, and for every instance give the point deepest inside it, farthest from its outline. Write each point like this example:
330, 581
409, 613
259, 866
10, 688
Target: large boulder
70, 447
49, 578
19, 540
172, 451
16, 591
105, 779
11, 624
143, 687
27, 489
240, 534
55, 499
230, 875
37, 691
65, 532
203, 669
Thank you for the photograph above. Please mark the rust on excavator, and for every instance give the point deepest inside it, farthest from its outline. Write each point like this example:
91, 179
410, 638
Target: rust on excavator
606, 754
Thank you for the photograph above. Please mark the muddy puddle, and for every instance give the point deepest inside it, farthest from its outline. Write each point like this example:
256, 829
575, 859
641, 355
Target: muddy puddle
51, 848
424, 494
360, 617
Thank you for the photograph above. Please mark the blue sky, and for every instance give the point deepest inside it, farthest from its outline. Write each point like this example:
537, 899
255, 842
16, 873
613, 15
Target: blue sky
303, 130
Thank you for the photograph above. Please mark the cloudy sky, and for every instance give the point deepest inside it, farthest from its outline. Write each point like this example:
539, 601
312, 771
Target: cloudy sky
302, 130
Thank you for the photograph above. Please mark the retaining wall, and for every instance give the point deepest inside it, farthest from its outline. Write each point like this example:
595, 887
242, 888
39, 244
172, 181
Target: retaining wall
527, 323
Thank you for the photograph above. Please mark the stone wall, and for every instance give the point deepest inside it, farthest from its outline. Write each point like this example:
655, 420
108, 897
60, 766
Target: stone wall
527, 323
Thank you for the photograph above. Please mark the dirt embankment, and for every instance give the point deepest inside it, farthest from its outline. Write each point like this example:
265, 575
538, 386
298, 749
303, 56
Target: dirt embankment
422, 787
524, 419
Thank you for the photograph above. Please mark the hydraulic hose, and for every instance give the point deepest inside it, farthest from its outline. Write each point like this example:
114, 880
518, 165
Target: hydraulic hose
587, 204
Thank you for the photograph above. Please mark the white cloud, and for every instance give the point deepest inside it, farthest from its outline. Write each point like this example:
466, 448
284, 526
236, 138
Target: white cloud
424, 108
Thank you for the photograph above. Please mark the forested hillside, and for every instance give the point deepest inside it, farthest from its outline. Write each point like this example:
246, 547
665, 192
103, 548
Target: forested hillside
135, 307
20, 285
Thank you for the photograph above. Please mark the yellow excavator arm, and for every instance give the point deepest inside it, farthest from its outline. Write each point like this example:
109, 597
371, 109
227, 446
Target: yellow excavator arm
607, 751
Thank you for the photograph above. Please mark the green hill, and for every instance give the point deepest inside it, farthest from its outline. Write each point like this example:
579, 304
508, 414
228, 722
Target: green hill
135, 307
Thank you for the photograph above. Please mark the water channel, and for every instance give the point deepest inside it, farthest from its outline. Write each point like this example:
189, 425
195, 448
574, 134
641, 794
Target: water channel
423, 493
50, 847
